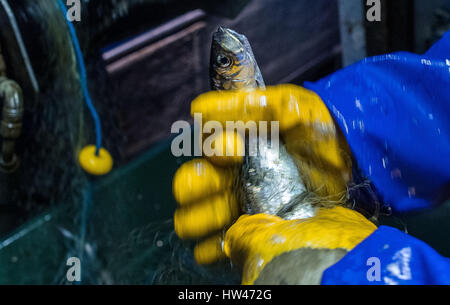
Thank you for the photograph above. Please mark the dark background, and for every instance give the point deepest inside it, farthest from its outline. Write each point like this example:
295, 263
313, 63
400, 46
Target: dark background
142, 88
146, 61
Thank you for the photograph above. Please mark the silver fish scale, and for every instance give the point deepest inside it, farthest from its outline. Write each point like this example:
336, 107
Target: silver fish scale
270, 183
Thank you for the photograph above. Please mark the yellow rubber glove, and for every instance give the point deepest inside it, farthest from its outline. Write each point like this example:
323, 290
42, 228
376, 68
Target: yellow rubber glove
306, 126
254, 241
204, 190
206, 206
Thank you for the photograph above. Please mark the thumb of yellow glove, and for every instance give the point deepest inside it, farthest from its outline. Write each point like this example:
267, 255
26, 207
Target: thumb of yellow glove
254, 241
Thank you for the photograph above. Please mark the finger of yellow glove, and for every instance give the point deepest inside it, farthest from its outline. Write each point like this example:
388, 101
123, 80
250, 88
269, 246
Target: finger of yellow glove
293, 105
224, 148
198, 179
223, 106
246, 235
254, 241
209, 250
206, 217
315, 142
323, 159
288, 104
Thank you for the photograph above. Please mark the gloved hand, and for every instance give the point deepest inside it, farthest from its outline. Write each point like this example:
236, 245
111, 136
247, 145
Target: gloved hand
206, 206
203, 189
307, 247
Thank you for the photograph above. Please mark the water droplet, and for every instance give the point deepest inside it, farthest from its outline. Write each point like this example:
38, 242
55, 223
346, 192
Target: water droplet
358, 105
361, 126
260, 262
278, 239
411, 191
159, 243
396, 173
88, 248
384, 160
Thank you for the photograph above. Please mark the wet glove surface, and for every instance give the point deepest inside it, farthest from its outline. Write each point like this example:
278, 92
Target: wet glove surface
254, 241
204, 187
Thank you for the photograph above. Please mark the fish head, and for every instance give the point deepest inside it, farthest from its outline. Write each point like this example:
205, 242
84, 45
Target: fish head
233, 66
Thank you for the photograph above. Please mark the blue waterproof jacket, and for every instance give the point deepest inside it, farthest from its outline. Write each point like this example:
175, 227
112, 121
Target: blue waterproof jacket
394, 111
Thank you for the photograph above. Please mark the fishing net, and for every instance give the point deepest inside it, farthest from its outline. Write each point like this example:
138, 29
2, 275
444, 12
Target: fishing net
120, 227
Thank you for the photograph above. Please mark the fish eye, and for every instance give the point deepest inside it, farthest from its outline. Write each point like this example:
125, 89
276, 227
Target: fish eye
223, 61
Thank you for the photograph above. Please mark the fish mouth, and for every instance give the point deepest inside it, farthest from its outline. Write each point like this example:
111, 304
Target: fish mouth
221, 29
223, 32
220, 33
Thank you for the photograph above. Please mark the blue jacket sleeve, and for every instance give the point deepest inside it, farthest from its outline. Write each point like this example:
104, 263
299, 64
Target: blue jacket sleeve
390, 257
394, 111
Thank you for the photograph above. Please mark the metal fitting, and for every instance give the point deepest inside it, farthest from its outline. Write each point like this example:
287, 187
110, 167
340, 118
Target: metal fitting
11, 123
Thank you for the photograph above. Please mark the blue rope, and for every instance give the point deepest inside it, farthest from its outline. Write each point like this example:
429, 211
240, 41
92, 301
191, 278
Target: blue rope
83, 78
